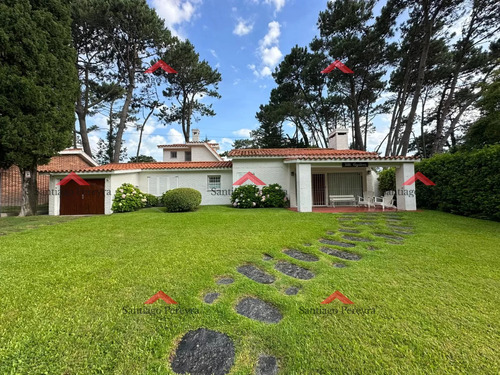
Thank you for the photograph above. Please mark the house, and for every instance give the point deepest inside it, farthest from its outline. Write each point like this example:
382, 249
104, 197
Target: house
310, 176
10, 179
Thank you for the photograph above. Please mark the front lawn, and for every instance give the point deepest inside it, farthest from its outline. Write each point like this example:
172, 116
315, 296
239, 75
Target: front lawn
65, 290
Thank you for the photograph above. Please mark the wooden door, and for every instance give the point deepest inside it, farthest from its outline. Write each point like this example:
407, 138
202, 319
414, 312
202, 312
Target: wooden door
82, 199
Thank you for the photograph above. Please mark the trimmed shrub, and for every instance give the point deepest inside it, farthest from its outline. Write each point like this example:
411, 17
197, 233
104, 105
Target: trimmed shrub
246, 196
151, 200
387, 180
467, 183
128, 198
274, 196
181, 200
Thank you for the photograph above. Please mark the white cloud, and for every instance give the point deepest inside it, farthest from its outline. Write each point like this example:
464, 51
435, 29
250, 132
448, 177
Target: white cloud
243, 27
278, 4
271, 56
176, 12
268, 51
273, 34
214, 54
245, 133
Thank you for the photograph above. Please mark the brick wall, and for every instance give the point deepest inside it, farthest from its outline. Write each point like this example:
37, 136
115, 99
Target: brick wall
11, 180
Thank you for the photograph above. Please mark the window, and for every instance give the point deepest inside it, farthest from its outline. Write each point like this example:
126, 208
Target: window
213, 182
188, 156
173, 154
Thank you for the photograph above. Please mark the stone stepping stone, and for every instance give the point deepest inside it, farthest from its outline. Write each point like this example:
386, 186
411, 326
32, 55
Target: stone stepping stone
340, 254
204, 352
256, 274
293, 270
225, 281
210, 297
267, 365
402, 232
371, 248
336, 243
259, 310
356, 238
292, 291
400, 227
344, 230
299, 255
307, 244
366, 222
339, 265
267, 257
330, 233
388, 236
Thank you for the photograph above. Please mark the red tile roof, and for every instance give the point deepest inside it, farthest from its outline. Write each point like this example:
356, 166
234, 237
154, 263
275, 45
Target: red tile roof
154, 165
311, 154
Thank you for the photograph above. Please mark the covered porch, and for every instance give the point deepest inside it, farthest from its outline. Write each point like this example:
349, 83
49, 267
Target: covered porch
335, 186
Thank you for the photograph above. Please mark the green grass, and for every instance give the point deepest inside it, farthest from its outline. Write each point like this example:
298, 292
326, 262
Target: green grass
63, 289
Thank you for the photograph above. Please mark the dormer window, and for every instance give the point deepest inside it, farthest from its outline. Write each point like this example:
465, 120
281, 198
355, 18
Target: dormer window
173, 154
188, 156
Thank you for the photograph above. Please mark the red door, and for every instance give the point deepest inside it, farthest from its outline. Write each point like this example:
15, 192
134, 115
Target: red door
82, 199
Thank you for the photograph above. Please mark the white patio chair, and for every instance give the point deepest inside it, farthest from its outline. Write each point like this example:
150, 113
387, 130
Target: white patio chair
387, 201
367, 199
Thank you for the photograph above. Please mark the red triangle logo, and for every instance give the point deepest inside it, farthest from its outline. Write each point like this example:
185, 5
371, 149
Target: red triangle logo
339, 296
421, 177
160, 295
73, 176
249, 176
161, 64
337, 64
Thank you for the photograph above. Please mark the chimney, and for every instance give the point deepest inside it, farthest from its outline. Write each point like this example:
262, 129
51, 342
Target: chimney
338, 139
196, 135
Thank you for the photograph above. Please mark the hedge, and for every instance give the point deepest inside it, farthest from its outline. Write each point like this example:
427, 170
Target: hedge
181, 200
467, 183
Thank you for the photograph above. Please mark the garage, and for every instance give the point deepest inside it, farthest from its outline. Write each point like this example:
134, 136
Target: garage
82, 199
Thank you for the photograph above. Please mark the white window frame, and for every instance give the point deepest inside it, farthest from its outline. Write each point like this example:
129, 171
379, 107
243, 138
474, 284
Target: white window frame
210, 185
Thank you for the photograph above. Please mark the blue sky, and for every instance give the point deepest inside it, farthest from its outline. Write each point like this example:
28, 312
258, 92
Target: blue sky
245, 40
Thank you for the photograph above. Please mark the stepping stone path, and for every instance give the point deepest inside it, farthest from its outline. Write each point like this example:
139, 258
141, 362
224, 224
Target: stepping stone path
259, 310
355, 238
293, 270
371, 248
348, 230
267, 257
267, 365
330, 233
402, 232
225, 281
299, 255
210, 297
256, 274
339, 265
388, 236
399, 227
366, 222
307, 244
345, 218
336, 243
340, 254
291, 291
204, 352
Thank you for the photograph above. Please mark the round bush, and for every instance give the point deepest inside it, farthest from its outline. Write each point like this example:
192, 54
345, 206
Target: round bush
128, 198
151, 200
274, 196
246, 196
181, 200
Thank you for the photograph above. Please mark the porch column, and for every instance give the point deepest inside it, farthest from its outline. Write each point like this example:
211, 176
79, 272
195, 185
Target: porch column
405, 193
304, 188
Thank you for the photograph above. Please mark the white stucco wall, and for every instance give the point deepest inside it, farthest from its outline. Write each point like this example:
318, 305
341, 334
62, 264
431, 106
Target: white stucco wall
180, 155
193, 179
270, 171
201, 153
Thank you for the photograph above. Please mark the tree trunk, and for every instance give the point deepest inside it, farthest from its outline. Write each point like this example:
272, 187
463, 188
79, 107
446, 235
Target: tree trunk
358, 136
123, 120
82, 121
142, 129
29, 198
